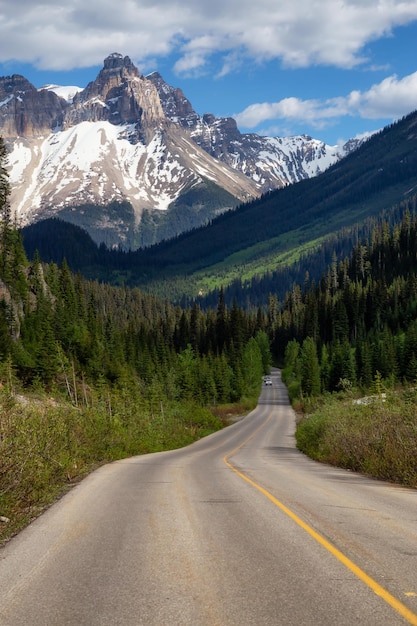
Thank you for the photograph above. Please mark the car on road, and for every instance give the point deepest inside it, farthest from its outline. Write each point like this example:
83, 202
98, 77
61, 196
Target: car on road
267, 380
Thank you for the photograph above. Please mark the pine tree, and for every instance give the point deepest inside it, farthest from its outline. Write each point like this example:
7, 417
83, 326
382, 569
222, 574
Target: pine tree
252, 365
6, 232
310, 368
263, 343
221, 322
342, 366
5, 334
47, 363
364, 364
187, 372
223, 376
237, 327
324, 368
4, 184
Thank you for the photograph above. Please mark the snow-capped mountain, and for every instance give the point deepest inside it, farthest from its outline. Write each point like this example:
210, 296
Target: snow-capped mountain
272, 162
131, 138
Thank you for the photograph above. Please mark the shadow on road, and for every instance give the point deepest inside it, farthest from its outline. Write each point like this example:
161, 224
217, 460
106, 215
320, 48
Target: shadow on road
265, 399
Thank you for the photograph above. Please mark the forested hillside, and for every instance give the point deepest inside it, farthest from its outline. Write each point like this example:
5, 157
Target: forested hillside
361, 317
349, 345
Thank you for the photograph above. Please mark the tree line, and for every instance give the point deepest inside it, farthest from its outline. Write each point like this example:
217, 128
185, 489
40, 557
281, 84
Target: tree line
55, 326
357, 324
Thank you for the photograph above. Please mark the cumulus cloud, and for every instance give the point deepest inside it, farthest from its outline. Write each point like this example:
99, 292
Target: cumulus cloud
392, 98
64, 35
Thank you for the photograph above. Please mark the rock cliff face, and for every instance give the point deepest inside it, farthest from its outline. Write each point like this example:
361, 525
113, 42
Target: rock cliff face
127, 137
175, 105
25, 111
119, 95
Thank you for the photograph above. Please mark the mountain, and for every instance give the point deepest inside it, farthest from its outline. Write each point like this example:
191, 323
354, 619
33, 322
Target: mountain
277, 231
128, 153
272, 162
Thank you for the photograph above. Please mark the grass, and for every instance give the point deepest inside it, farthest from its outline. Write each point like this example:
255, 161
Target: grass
255, 261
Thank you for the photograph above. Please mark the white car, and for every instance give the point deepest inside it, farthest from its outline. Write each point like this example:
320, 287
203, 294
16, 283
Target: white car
267, 380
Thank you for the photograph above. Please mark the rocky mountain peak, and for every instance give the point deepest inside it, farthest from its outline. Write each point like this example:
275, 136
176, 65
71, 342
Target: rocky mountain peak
117, 71
117, 61
176, 106
119, 95
25, 111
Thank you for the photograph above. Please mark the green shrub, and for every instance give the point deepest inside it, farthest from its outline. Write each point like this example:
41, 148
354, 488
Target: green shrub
294, 390
310, 435
377, 437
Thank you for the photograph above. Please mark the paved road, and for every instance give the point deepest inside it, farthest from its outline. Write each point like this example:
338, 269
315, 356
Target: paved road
238, 529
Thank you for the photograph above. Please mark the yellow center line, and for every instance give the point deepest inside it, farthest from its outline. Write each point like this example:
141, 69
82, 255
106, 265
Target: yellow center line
370, 582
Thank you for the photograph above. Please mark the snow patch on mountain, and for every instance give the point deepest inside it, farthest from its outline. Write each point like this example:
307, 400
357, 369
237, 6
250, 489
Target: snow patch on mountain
271, 162
89, 162
99, 162
66, 92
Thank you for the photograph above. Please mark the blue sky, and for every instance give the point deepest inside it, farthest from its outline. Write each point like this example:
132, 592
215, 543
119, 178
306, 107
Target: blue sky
333, 69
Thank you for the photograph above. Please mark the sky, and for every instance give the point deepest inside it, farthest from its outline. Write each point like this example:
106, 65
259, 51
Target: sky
331, 69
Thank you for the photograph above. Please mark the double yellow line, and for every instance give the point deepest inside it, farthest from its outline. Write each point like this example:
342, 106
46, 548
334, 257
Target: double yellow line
398, 606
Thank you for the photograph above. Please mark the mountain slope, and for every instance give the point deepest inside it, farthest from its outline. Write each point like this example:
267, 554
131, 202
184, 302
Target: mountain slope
383, 171
93, 161
131, 138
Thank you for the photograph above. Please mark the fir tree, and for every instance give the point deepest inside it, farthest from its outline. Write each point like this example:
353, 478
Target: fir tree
310, 368
6, 232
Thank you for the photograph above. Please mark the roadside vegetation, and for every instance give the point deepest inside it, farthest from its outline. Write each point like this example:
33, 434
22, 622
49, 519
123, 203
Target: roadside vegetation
375, 435
55, 430
90, 374
48, 444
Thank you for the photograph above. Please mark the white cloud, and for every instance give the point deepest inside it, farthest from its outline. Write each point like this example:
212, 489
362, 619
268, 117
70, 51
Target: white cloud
390, 99
63, 35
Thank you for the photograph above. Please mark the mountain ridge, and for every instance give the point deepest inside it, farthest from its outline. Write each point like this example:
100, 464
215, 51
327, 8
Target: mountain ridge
273, 162
131, 138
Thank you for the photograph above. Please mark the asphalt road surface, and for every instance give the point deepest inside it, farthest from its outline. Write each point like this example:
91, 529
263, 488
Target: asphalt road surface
237, 529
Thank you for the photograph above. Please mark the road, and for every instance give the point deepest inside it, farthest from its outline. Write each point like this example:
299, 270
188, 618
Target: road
237, 529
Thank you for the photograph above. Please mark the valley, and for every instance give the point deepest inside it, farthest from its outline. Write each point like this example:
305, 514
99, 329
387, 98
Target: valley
275, 239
